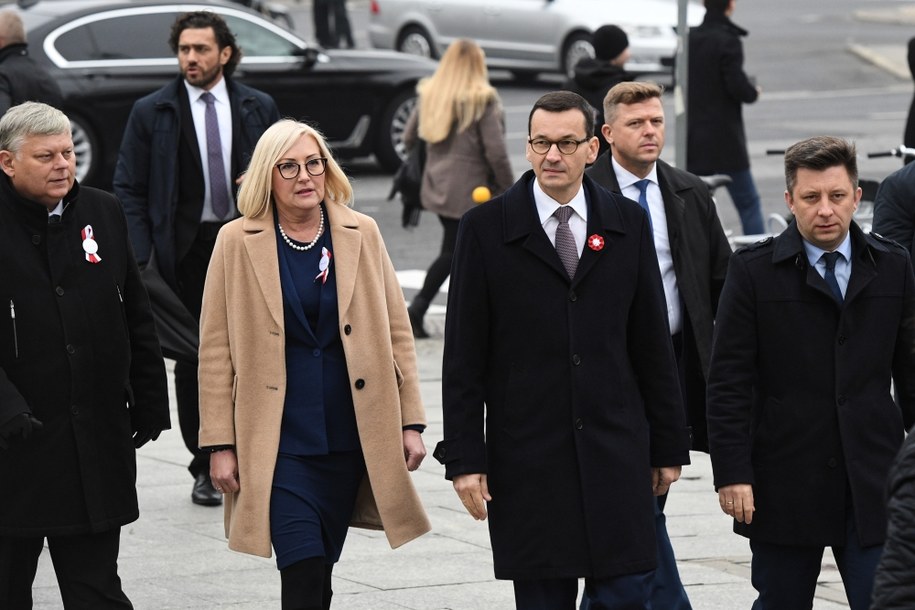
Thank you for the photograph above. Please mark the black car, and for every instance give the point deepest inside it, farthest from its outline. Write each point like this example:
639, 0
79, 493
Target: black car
106, 55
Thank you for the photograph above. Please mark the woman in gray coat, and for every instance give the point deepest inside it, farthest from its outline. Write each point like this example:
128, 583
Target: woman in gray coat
460, 117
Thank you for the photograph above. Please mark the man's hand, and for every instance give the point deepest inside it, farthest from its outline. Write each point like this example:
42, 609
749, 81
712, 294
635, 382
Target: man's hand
662, 478
737, 501
144, 435
413, 449
18, 427
473, 490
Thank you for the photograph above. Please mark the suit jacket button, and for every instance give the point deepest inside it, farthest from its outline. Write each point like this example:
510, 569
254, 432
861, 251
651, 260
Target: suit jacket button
347, 329
360, 383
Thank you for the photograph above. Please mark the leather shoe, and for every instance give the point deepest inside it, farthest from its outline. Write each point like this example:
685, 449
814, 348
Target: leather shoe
204, 493
416, 323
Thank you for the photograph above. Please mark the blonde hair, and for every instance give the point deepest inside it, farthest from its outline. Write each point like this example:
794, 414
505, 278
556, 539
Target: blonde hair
255, 197
457, 95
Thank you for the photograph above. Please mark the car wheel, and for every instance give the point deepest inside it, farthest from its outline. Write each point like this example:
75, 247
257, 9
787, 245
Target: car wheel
389, 147
577, 47
85, 149
416, 41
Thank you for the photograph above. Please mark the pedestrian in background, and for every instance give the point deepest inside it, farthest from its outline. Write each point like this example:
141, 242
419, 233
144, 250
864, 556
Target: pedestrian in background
813, 329
693, 254
82, 380
908, 136
894, 207
594, 77
22, 79
309, 392
460, 117
718, 89
182, 149
562, 411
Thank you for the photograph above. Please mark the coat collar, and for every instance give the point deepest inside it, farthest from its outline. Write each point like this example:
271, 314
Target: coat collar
260, 243
520, 222
717, 19
865, 249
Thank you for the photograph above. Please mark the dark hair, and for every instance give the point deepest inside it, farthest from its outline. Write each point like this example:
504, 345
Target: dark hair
200, 20
819, 153
560, 101
717, 6
633, 92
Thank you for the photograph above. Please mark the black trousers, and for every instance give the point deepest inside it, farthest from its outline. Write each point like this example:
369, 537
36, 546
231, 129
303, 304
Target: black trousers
192, 273
86, 566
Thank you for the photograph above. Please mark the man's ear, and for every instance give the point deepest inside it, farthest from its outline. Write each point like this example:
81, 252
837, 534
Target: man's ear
606, 130
6, 163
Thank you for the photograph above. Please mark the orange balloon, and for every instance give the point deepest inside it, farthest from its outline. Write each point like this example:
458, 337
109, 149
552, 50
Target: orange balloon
481, 194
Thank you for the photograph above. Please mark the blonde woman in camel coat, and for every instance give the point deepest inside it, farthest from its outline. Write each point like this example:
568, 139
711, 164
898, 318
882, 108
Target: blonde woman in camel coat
248, 338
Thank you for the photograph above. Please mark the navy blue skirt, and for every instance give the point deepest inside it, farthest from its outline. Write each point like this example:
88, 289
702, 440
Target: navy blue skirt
311, 505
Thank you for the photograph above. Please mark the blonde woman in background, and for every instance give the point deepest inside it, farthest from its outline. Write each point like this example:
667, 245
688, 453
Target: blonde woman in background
459, 115
309, 393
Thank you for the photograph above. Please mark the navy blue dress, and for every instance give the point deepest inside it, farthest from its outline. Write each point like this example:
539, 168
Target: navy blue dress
320, 465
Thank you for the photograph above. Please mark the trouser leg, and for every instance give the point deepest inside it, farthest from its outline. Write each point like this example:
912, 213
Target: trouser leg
18, 565
87, 570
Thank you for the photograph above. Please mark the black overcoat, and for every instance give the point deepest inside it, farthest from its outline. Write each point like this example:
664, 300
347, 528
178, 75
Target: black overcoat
718, 89
799, 401
700, 252
82, 356
578, 381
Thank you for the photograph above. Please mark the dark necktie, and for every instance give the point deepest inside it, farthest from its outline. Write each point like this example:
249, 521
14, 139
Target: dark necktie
219, 193
53, 219
565, 241
642, 185
830, 259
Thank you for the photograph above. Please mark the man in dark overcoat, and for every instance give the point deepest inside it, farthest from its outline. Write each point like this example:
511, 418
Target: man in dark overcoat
718, 89
557, 335
82, 380
22, 79
812, 328
693, 254
177, 182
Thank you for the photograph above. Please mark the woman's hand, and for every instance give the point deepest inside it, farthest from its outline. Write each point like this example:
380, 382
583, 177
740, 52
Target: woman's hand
413, 449
224, 471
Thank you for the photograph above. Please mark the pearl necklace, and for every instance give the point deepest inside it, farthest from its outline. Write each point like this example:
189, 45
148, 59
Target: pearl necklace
307, 246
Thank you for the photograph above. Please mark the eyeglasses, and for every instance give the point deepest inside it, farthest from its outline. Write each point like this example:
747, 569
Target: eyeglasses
314, 167
542, 146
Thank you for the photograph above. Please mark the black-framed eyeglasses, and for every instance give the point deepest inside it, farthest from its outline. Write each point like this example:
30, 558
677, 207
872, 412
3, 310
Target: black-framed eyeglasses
290, 170
542, 146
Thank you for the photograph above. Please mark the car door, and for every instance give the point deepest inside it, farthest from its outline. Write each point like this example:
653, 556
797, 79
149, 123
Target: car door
515, 33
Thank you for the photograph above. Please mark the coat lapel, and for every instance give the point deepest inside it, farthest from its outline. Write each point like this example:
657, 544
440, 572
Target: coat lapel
603, 220
260, 243
863, 267
522, 223
347, 244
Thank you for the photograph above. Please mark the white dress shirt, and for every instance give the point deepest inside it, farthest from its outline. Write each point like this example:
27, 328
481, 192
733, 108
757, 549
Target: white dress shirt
224, 117
578, 221
627, 182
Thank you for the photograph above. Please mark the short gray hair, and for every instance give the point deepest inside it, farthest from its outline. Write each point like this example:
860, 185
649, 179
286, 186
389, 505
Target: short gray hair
31, 119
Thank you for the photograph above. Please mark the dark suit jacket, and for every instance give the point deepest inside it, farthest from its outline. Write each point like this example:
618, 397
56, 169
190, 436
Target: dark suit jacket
700, 252
576, 380
799, 401
894, 207
718, 89
146, 175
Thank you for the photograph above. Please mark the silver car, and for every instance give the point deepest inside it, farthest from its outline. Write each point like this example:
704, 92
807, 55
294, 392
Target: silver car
531, 36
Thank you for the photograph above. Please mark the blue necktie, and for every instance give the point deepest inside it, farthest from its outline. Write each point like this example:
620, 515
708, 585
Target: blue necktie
642, 185
830, 259
219, 193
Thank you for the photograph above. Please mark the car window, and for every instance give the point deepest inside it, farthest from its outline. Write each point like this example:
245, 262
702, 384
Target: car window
257, 41
123, 37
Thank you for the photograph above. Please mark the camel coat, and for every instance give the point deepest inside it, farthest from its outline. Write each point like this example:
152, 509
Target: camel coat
243, 377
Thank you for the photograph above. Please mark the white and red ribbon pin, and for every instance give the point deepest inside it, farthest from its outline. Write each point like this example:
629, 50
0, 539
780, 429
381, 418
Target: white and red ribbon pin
324, 266
90, 246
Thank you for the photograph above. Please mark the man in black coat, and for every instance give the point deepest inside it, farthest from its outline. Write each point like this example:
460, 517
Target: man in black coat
557, 333
82, 380
812, 328
894, 207
718, 89
693, 254
22, 79
177, 194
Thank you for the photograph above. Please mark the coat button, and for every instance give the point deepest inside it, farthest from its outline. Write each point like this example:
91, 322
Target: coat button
576, 359
36, 239
578, 424
316, 353
573, 297
841, 399
832, 462
74, 410
347, 329
360, 383
59, 291
842, 339
70, 349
